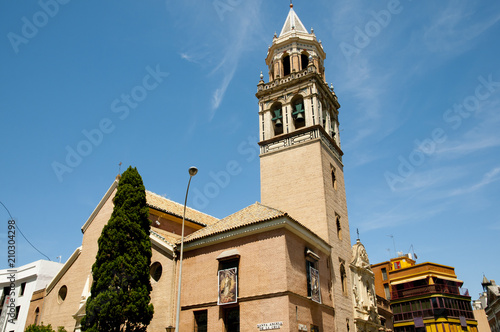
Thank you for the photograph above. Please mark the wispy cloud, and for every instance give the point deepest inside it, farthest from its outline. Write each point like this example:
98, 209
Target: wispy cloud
436, 177
461, 148
190, 57
190, 130
481, 135
245, 23
229, 30
360, 75
488, 178
451, 31
401, 214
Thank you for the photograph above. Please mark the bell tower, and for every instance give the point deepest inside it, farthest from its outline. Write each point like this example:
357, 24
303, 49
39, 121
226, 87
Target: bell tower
300, 156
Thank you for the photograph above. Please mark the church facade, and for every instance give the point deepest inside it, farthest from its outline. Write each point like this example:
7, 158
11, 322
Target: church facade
285, 263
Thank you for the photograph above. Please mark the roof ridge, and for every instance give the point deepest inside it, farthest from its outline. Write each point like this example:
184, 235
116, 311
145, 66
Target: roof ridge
270, 207
181, 205
250, 206
227, 223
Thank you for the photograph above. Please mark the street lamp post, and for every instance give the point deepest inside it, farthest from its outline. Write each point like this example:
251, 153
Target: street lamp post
192, 172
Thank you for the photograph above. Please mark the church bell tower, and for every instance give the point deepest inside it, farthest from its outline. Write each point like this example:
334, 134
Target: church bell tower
300, 156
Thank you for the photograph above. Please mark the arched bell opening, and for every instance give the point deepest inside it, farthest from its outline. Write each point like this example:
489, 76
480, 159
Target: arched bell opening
304, 60
334, 128
277, 118
286, 65
323, 112
298, 112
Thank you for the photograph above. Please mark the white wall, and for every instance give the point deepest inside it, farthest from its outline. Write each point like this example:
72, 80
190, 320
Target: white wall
36, 275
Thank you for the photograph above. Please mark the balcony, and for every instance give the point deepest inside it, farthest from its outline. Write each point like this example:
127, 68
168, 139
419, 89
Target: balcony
429, 313
428, 289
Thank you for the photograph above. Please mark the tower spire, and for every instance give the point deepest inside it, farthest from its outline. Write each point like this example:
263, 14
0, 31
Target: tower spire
293, 23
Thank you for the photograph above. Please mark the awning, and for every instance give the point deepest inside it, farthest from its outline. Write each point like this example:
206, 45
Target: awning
421, 277
446, 278
408, 280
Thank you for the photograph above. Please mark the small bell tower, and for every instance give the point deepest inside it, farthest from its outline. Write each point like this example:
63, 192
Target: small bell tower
300, 156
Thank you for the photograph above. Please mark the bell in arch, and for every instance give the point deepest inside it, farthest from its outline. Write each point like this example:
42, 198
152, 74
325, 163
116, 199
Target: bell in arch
277, 118
299, 113
300, 117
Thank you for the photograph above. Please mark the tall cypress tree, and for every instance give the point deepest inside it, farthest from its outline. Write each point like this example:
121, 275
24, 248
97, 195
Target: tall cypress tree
120, 293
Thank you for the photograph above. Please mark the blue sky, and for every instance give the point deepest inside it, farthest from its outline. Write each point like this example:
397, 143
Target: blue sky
163, 85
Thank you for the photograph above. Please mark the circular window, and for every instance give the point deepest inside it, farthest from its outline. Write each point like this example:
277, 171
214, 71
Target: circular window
63, 291
156, 271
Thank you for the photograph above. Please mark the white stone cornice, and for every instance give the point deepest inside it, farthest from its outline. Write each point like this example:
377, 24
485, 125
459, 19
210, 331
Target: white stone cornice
64, 269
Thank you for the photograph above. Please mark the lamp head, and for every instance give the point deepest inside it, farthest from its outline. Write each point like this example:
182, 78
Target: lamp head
192, 171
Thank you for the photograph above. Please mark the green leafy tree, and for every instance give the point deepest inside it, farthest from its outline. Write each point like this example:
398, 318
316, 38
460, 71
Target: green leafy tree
120, 293
43, 328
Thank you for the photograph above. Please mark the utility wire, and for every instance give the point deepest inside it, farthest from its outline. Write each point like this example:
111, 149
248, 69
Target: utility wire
17, 226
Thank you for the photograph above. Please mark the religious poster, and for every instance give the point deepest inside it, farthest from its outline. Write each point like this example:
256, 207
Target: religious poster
315, 289
228, 286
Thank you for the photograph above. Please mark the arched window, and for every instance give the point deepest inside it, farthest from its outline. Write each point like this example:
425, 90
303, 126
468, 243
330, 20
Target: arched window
61, 295
332, 127
334, 178
277, 118
304, 60
298, 112
156, 271
339, 228
286, 65
343, 278
37, 313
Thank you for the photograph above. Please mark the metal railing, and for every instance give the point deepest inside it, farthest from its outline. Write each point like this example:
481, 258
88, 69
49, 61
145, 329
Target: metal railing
429, 289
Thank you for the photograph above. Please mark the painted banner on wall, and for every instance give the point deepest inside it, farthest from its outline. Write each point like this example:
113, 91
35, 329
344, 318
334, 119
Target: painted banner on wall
315, 289
228, 286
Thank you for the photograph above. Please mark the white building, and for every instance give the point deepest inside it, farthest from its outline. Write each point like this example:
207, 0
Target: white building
28, 279
366, 317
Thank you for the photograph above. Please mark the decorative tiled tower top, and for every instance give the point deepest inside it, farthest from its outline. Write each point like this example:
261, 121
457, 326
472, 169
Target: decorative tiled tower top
297, 99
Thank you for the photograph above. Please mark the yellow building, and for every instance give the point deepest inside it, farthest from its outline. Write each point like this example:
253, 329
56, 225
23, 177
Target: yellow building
425, 297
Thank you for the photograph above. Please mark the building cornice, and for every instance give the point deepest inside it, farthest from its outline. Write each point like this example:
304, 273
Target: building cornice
301, 136
99, 206
260, 227
308, 75
161, 243
64, 269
